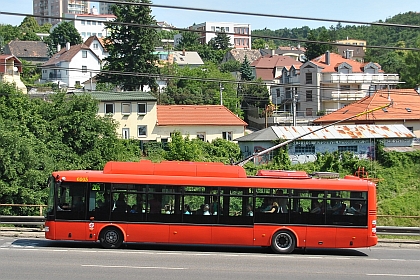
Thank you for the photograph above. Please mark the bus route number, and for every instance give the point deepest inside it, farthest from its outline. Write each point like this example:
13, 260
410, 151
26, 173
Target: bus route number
82, 179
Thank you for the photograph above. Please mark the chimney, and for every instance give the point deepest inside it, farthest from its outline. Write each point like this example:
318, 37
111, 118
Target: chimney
68, 46
327, 57
58, 47
273, 52
298, 46
183, 52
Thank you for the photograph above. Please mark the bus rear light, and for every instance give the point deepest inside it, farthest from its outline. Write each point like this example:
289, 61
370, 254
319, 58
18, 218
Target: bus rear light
374, 227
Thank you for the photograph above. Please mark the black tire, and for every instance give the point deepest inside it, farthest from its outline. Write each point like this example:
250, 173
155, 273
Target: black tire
283, 242
111, 238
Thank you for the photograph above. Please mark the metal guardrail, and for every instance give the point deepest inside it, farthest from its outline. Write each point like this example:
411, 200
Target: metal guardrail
39, 221
403, 231
23, 220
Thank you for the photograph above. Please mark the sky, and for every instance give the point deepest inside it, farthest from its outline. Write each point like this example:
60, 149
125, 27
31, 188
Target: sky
355, 10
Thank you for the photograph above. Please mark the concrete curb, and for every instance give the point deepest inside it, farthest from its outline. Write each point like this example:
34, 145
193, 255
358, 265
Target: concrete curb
39, 233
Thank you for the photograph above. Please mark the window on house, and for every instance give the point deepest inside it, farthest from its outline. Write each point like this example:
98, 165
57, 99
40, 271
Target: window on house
95, 46
84, 54
141, 108
309, 95
309, 111
83, 34
83, 22
109, 108
100, 35
227, 135
278, 92
410, 128
142, 130
89, 22
305, 149
126, 108
201, 136
347, 149
308, 77
77, 83
93, 22
84, 69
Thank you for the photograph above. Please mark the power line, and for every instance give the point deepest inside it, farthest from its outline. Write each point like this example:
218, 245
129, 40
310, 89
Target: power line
214, 32
256, 14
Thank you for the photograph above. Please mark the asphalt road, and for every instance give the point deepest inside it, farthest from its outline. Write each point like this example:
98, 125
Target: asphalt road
37, 258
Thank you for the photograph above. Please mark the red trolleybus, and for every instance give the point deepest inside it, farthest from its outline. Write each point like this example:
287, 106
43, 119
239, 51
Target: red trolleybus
210, 203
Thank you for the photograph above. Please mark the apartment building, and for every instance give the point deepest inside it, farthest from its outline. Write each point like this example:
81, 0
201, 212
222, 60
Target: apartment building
92, 24
56, 8
239, 33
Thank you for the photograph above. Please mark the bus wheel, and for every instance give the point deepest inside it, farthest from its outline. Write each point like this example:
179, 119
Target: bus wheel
283, 242
111, 238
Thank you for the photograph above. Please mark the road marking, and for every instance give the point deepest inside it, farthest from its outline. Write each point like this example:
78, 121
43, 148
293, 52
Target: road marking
393, 275
137, 267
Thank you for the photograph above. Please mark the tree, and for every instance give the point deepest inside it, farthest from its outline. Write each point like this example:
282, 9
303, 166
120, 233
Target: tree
246, 70
221, 41
255, 94
29, 27
313, 49
202, 88
411, 73
63, 33
230, 66
189, 41
131, 48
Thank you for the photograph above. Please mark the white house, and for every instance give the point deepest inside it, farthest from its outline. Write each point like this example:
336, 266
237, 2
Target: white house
71, 66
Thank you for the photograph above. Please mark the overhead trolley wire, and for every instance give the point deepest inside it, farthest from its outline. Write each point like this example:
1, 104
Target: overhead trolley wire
208, 31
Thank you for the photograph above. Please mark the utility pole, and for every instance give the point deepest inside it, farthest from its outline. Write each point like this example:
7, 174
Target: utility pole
295, 96
221, 93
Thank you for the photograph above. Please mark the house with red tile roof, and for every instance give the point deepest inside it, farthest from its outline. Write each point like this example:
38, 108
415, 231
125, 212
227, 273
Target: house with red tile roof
71, 66
404, 109
206, 122
10, 69
139, 117
97, 45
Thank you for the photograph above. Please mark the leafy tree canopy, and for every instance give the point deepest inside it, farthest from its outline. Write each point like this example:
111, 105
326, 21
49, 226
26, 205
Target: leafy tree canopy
131, 48
63, 33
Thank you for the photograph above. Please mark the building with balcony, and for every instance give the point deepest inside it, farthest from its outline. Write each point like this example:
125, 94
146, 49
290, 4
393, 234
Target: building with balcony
71, 66
56, 8
239, 33
328, 83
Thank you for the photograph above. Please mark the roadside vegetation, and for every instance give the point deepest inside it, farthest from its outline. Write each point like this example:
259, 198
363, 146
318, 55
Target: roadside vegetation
38, 137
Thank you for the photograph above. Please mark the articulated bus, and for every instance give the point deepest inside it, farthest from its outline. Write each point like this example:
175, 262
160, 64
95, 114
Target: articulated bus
210, 204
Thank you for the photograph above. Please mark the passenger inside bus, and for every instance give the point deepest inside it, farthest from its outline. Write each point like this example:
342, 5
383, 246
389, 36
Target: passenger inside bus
282, 201
215, 205
120, 204
78, 204
249, 210
206, 209
317, 208
266, 205
274, 208
155, 205
187, 209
